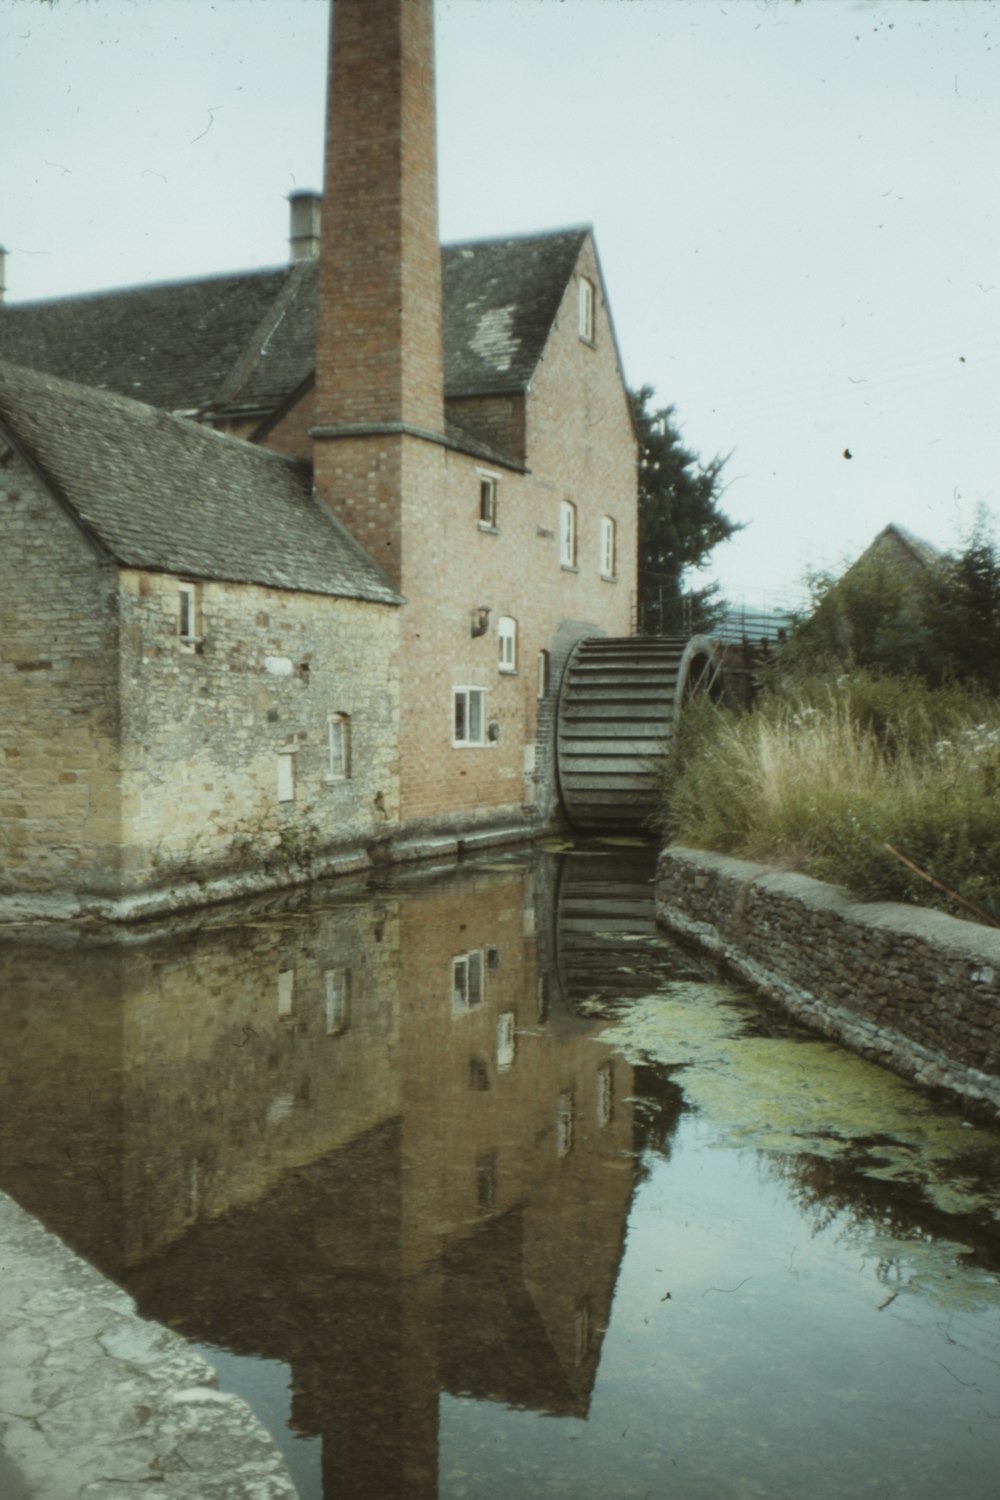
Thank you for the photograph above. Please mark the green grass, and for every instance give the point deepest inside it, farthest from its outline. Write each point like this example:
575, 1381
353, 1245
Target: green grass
823, 778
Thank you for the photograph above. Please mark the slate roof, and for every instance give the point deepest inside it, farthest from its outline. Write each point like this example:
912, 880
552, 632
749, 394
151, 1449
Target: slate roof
164, 493
245, 342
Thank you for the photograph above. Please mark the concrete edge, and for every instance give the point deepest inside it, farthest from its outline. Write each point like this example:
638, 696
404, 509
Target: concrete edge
95, 1399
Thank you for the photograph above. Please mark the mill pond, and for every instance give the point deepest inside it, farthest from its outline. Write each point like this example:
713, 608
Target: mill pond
474, 1184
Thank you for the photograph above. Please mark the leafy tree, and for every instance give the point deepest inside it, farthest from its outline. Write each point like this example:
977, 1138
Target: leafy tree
679, 523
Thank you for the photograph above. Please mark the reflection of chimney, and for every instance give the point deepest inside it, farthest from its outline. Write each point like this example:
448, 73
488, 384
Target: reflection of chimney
3, 273
303, 224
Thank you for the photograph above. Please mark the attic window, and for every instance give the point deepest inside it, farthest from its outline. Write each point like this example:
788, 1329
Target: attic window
586, 310
187, 614
488, 486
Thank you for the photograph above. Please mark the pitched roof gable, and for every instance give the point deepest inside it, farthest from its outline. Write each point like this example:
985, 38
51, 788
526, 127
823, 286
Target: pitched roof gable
162, 493
245, 342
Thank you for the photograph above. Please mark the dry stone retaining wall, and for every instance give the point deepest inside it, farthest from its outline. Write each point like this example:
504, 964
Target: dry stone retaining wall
914, 989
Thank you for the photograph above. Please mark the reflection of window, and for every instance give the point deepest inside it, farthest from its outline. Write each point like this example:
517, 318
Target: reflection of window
567, 533
505, 1040
564, 1123
605, 1094
544, 989
286, 992
486, 1181
469, 716
338, 747
479, 1075
581, 1332
466, 982
492, 958
507, 635
337, 1000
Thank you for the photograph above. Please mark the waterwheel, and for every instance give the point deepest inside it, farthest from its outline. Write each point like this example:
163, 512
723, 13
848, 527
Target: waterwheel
618, 709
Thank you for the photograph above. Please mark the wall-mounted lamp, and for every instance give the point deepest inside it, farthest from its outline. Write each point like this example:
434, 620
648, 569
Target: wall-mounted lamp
480, 620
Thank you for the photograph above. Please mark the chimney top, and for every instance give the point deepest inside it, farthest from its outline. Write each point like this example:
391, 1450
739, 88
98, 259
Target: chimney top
304, 224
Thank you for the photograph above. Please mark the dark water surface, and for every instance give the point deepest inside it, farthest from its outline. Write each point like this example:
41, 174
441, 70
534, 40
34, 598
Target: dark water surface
477, 1186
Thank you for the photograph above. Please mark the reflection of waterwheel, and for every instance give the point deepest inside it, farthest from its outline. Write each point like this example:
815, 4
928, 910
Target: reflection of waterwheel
602, 902
618, 709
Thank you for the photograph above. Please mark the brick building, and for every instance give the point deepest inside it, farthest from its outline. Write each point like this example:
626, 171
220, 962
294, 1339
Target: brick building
460, 414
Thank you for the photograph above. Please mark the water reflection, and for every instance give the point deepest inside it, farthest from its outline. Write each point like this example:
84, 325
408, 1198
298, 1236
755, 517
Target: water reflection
433, 1156
376, 1141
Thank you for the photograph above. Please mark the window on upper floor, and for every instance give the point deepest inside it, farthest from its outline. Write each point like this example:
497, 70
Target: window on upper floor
586, 309
609, 560
338, 747
507, 637
567, 534
488, 488
542, 680
469, 716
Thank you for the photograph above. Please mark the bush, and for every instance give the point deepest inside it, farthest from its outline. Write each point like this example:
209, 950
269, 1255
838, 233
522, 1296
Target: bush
821, 778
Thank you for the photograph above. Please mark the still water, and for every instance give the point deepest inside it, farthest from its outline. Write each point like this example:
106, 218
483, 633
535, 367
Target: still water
476, 1185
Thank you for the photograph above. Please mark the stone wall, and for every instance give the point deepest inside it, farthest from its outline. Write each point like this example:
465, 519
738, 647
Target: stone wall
912, 988
59, 764
206, 721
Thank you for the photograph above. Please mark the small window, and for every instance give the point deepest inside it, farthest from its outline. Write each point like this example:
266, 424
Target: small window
608, 559
488, 485
187, 614
486, 1181
507, 634
564, 1123
586, 310
338, 747
469, 716
337, 1000
605, 1095
466, 982
505, 1040
567, 534
543, 674
286, 777
286, 992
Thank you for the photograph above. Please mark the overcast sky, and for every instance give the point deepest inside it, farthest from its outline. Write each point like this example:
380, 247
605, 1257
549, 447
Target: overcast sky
797, 207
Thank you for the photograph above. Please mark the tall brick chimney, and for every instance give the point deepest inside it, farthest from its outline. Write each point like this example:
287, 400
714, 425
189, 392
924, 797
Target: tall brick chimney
378, 357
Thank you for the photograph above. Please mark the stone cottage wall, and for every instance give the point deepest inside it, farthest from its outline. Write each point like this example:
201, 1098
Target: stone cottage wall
914, 989
59, 772
214, 727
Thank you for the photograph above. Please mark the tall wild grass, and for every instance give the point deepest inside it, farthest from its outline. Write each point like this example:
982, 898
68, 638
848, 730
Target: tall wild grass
823, 777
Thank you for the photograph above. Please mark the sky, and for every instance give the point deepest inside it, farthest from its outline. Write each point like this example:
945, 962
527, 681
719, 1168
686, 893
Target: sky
796, 205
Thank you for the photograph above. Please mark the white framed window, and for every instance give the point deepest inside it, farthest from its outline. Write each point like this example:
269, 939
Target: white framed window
507, 636
469, 716
488, 489
338, 747
567, 534
337, 1000
286, 776
605, 1094
286, 992
542, 686
608, 551
466, 982
586, 306
187, 614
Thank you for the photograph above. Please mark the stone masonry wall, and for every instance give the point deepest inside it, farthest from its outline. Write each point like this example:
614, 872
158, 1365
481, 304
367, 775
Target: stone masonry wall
59, 769
912, 988
205, 722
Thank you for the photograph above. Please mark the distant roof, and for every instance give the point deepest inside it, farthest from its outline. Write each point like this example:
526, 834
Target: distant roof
163, 493
245, 342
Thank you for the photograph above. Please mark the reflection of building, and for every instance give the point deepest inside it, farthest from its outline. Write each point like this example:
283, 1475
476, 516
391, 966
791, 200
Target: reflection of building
362, 1140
